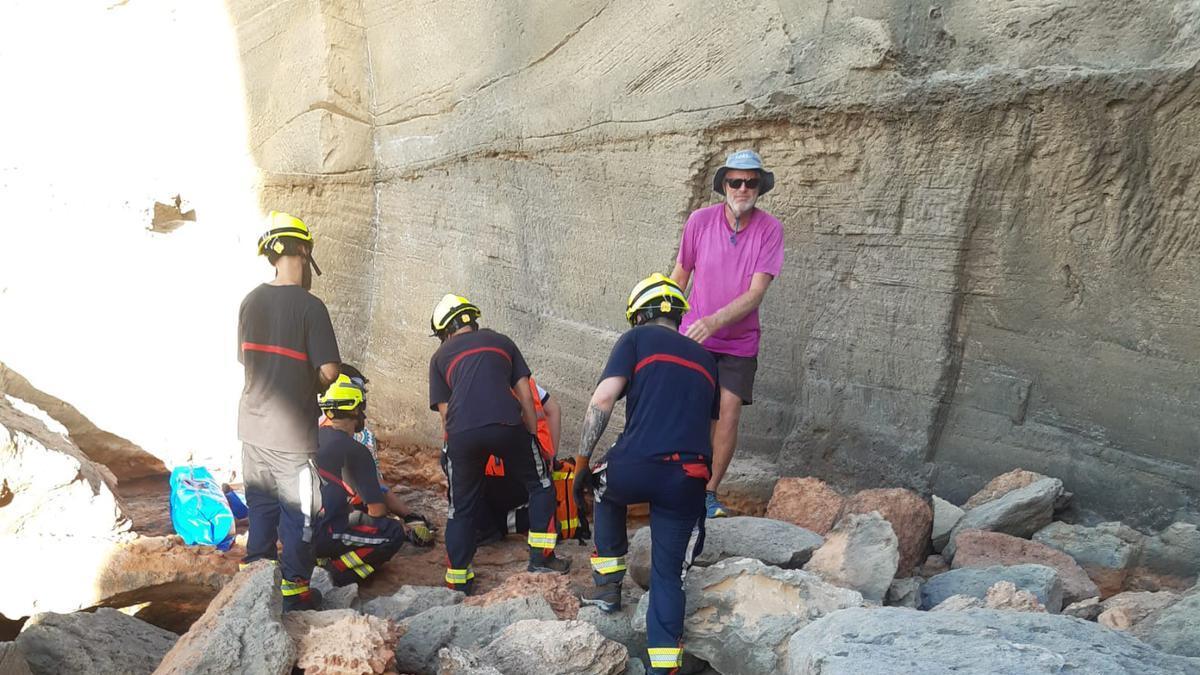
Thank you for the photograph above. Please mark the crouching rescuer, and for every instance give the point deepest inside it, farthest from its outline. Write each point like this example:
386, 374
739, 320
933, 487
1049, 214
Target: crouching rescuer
352, 543
669, 383
479, 383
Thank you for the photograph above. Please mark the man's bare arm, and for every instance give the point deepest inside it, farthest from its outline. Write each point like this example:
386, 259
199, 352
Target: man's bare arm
735, 311
528, 414
328, 373
596, 419
553, 420
681, 276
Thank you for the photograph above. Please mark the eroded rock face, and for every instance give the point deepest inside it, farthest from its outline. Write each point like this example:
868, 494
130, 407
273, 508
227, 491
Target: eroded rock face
246, 612
860, 553
892, 639
342, 642
741, 612
567, 647
105, 641
807, 502
984, 549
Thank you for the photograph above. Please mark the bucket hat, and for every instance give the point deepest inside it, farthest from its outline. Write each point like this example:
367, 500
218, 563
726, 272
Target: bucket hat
745, 160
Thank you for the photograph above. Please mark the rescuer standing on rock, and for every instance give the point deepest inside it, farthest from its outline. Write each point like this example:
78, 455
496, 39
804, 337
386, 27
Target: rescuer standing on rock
287, 345
731, 252
479, 382
671, 391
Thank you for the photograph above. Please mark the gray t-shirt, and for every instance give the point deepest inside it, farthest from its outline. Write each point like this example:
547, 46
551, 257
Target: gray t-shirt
284, 337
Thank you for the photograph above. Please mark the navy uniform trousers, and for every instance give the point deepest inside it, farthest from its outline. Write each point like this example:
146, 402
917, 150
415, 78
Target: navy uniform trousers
675, 492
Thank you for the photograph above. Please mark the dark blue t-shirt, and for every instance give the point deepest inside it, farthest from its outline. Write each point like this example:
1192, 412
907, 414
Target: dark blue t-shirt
671, 397
347, 470
474, 373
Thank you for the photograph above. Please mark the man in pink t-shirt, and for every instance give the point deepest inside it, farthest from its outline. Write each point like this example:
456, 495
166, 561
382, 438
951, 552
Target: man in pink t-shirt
730, 252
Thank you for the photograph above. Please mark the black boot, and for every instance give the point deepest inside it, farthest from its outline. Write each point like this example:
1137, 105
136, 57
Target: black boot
607, 597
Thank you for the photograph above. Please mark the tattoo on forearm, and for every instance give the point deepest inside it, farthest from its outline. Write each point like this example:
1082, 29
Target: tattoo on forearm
594, 423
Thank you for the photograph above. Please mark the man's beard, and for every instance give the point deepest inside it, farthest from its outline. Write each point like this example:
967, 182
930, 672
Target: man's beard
739, 211
306, 277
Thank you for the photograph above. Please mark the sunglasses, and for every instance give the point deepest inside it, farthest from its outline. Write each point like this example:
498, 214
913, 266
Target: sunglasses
736, 183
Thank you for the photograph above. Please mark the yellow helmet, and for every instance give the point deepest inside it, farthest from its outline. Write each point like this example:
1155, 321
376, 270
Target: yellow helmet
280, 226
658, 293
341, 396
452, 309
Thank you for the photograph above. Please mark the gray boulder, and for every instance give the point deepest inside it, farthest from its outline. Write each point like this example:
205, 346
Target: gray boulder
860, 553
459, 625
1087, 610
904, 593
12, 661
741, 612
246, 614
774, 542
410, 601
565, 647
333, 597
106, 641
1019, 513
974, 582
1105, 552
1174, 629
1173, 552
618, 626
945, 517
459, 661
897, 640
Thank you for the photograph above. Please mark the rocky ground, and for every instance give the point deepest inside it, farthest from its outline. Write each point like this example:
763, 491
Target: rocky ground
880, 580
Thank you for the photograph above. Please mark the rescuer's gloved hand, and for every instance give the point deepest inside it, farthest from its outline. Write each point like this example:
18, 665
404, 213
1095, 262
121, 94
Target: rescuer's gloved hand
419, 531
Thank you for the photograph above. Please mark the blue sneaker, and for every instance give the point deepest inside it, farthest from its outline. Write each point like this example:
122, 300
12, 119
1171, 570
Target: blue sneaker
714, 508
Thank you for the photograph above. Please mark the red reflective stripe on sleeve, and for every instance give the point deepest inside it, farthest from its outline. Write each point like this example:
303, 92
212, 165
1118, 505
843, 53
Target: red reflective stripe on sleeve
670, 358
365, 528
477, 350
273, 349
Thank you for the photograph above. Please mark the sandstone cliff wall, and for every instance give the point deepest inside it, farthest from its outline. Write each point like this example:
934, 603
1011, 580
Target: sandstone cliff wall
988, 207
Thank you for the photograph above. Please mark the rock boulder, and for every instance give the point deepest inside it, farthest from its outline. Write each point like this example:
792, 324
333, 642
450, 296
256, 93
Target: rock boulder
1174, 629
1020, 512
896, 640
342, 642
1002, 485
985, 549
860, 553
910, 516
1105, 552
772, 541
1040, 580
460, 625
411, 600
104, 641
567, 647
807, 502
945, 517
740, 613
246, 612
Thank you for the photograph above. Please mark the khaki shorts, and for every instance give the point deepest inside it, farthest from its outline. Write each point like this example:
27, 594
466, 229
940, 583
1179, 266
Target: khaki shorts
736, 374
